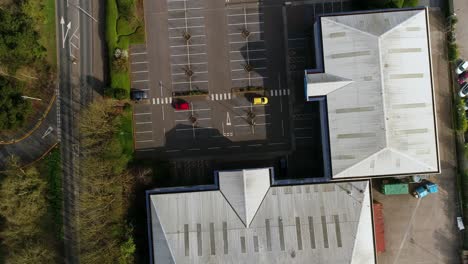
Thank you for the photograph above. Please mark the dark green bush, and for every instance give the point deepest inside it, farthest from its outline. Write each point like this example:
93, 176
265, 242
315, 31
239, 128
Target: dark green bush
453, 53
461, 123
120, 93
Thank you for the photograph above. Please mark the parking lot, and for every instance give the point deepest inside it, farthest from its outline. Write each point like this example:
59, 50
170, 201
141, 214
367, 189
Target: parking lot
216, 57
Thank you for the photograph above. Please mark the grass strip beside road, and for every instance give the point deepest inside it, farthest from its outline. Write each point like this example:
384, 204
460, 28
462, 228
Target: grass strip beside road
122, 30
51, 169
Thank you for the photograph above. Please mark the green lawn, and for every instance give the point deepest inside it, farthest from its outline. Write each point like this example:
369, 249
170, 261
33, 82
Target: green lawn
48, 34
121, 32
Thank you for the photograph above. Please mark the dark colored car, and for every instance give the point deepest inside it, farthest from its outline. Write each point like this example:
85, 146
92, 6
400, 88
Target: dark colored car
463, 77
138, 95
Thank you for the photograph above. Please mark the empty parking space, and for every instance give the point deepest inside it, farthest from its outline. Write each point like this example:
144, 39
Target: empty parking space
139, 67
143, 125
187, 45
247, 51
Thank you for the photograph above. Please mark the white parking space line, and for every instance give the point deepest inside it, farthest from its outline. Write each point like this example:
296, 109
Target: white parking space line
248, 23
276, 143
142, 123
175, 28
216, 96
252, 50
188, 18
192, 63
253, 32
140, 62
140, 71
194, 36
142, 114
166, 100
212, 96
141, 141
249, 14
189, 82
255, 68
137, 81
191, 54
157, 100
194, 128
154, 101
195, 110
143, 132
229, 96
189, 45
184, 9
248, 106
138, 53
252, 78
259, 115
258, 59
183, 73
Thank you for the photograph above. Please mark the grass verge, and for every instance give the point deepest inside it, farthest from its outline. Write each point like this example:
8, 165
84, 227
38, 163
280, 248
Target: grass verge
51, 169
122, 30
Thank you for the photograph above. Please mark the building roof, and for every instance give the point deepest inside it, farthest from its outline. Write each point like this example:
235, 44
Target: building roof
377, 80
321, 223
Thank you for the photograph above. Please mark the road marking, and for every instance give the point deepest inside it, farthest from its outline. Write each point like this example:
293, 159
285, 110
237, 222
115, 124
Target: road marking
184, 9
140, 81
157, 99
154, 101
189, 82
252, 78
47, 132
191, 54
214, 148
163, 115
276, 143
248, 23
183, 18
253, 32
170, 100
190, 45
142, 113
138, 53
197, 110
228, 119
255, 145
175, 28
248, 106
193, 149
216, 96
139, 71
141, 141
229, 96
255, 115
259, 59
140, 62
212, 96
183, 73
193, 36
234, 146
249, 14
288, 91
254, 50
172, 150
144, 150
142, 123
143, 132
185, 64
194, 128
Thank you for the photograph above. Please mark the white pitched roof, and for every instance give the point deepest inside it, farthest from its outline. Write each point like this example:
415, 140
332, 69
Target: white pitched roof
320, 223
380, 109
245, 190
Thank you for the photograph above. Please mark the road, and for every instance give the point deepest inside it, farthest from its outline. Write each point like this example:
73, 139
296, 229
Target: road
77, 81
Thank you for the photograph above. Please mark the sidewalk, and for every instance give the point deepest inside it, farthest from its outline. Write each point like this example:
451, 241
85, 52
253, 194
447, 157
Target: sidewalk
460, 7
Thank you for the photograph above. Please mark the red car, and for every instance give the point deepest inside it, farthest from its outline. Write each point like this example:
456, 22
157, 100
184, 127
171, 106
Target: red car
181, 105
463, 78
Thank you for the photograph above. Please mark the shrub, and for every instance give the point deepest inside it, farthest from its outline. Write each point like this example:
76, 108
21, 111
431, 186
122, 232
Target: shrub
461, 124
14, 110
453, 52
120, 93
451, 37
411, 3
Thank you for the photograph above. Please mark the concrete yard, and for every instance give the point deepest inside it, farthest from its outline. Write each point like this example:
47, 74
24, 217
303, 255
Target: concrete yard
424, 230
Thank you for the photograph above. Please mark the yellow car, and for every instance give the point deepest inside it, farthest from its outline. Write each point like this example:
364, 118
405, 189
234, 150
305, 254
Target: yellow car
260, 101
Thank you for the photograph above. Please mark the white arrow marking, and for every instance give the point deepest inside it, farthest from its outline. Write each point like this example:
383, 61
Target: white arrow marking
47, 132
64, 34
228, 119
62, 22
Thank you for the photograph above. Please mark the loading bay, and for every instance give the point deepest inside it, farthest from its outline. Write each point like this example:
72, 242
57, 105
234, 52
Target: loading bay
219, 47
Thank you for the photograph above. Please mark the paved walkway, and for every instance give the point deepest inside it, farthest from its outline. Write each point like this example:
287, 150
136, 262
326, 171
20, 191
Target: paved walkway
460, 7
424, 230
